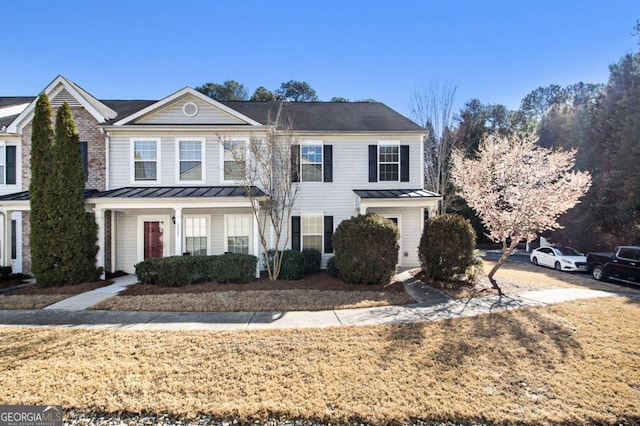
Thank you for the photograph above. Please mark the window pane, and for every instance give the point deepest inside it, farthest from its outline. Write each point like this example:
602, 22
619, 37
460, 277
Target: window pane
312, 242
238, 234
234, 158
145, 170
233, 170
190, 150
195, 231
311, 154
312, 232
388, 172
388, 153
238, 245
190, 170
145, 150
196, 246
311, 173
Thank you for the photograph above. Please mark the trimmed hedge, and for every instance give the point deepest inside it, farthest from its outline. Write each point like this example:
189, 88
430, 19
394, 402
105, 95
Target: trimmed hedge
446, 247
5, 273
177, 271
332, 270
292, 267
312, 261
366, 249
233, 268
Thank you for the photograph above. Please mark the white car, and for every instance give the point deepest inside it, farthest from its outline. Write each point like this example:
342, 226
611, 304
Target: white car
559, 258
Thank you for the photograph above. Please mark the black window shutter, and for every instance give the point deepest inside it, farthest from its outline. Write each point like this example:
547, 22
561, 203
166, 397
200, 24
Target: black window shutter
295, 233
10, 156
328, 234
373, 163
295, 163
328, 163
85, 160
404, 163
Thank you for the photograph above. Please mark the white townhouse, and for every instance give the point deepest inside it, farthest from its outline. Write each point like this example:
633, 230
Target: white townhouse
161, 182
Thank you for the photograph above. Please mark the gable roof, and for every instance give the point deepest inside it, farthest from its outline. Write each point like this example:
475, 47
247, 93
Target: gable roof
96, 108
177, 95
303, 116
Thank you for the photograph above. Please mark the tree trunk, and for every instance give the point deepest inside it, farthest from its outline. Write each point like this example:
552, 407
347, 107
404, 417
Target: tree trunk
505, 256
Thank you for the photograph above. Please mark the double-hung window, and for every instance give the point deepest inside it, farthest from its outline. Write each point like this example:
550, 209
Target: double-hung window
312, 232
7, 165
145, 160
388, 161
234, 159
190, 155
195, 235
311, 162
237, 233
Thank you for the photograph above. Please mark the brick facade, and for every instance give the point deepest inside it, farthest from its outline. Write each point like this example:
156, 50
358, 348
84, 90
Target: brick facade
89, 132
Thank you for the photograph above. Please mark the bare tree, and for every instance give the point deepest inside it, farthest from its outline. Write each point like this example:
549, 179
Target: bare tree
265, 163
517, 188
432, 108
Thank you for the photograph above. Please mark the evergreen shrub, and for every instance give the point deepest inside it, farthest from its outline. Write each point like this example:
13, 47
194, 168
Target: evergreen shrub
174, 271
366, 249
233, 268
332, 270
292, 267
446, 247
312, 261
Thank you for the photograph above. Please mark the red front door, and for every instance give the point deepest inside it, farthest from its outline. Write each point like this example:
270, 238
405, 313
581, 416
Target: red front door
153, 240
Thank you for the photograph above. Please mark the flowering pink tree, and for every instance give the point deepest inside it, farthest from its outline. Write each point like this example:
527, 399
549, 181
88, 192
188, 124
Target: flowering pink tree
517, 188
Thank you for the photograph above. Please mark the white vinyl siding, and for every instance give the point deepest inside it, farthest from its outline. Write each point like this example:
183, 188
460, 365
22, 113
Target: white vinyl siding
174, 114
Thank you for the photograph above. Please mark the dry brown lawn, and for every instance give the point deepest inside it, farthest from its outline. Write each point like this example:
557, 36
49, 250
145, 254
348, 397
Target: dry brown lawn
575, 363
313, 293
515, 278
255, 300
34, 297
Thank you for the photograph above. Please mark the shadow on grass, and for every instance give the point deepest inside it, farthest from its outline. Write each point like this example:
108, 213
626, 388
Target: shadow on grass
525, 332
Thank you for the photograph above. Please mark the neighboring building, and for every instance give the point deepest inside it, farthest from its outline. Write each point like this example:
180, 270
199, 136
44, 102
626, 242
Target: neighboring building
161, 182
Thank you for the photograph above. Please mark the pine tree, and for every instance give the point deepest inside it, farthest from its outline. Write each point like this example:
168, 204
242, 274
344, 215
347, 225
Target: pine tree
42, 257
74, 230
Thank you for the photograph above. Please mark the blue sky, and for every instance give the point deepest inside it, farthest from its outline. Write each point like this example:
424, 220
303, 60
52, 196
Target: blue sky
497, 51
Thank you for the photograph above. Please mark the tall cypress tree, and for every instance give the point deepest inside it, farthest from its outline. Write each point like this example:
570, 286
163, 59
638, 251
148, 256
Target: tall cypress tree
42, 256
74, 230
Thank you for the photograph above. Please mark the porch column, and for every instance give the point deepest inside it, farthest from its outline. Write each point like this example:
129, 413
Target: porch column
178, 235
99, 213
6, 246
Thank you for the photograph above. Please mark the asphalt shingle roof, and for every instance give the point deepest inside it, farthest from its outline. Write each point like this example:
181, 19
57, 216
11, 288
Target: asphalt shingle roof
303, 116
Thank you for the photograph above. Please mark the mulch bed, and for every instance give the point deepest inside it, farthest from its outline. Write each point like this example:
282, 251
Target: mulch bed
320, 281
65, 289
15, 280
480, 287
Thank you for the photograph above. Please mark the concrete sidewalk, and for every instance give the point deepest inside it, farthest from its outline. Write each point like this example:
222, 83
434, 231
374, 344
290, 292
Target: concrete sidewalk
428, 311
85, 300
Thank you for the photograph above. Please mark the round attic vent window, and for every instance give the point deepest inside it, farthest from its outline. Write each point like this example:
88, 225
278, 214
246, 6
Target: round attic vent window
190, 109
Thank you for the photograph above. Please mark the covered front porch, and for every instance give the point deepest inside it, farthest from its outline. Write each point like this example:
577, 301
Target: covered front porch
139, 223
408, 209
